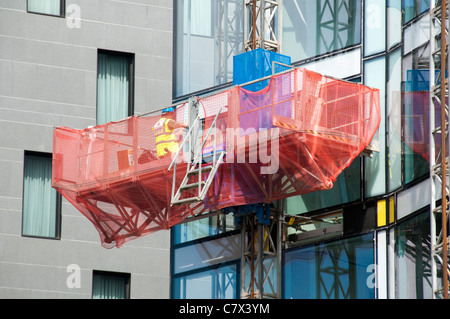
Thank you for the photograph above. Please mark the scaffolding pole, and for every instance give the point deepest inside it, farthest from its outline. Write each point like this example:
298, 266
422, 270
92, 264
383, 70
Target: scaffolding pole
439, 162
262, 236
261, 240
263, 24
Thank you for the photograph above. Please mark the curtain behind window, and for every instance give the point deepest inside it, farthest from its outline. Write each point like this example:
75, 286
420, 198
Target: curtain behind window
52, 7
39, 198
109, 286
113, 83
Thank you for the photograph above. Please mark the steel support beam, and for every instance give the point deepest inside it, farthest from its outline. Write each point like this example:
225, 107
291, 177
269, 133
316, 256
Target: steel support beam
439, 172
263, 24
261, 253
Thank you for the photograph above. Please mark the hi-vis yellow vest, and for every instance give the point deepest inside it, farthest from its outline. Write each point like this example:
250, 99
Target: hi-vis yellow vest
165, 139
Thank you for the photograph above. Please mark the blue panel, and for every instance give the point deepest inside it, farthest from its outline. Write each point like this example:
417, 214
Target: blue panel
418, 80
257, 64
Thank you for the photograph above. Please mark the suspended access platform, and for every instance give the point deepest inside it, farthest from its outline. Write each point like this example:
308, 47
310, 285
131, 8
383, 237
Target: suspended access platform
241, 147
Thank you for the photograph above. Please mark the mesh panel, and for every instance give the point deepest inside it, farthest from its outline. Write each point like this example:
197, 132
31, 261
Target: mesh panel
291, 138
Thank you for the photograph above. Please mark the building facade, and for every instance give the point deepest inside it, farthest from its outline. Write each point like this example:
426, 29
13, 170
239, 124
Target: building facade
75, 64
382, 247
79, 63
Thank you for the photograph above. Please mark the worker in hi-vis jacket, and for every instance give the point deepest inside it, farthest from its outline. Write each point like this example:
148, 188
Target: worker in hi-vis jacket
165, 138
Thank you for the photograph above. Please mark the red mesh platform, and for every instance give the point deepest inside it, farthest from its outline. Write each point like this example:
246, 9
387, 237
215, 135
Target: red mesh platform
294, 137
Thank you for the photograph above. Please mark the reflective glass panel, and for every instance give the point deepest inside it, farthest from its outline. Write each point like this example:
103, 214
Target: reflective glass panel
375, 26
413, 278
413, 8
206, 253
394, 27
346, 189
202, 228
312, 28
416, 113
393, 106
338, 270
218, 283
207, 35
375, 175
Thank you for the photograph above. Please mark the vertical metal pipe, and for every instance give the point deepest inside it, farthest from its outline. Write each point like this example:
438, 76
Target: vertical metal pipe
444, 147
279, 218
432, 116
260, 262
188, 47
251, 220
255, 11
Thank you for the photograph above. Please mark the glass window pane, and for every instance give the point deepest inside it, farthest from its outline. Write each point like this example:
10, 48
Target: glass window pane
336, 270
413, 8
375, 26
415, 117
393, 105
39, 198
207, 35
52, 7
110, 286
311, 28
191, 231
413, 262
113, 88
220, 283
416, 34
206, 253
375, 176
394, 28
346, 189
202, 228
342, 65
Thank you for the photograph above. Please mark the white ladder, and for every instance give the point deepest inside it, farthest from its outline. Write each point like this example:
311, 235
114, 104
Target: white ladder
196, 165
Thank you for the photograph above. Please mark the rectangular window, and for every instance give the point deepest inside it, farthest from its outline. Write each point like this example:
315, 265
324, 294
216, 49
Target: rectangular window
207, 35
115, 83
312, 28
394, 22
413, 279
110, 285
375, 27
346, 189
415, 117
334, 270
50, 7
216, 283
202, 228
374, 173
205, 253
413, 8
393, 109
41, 203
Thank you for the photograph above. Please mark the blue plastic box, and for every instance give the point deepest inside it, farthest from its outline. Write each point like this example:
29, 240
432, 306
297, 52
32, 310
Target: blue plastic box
257, 64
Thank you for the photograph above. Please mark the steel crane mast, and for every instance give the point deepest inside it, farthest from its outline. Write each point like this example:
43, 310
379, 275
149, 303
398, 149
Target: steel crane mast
439, 172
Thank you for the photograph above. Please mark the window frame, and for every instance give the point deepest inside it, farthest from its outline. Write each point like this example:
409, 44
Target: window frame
131, 71
62, 10
176, 278
58, 208
398, 284
125, 276
411, 178
290, 254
